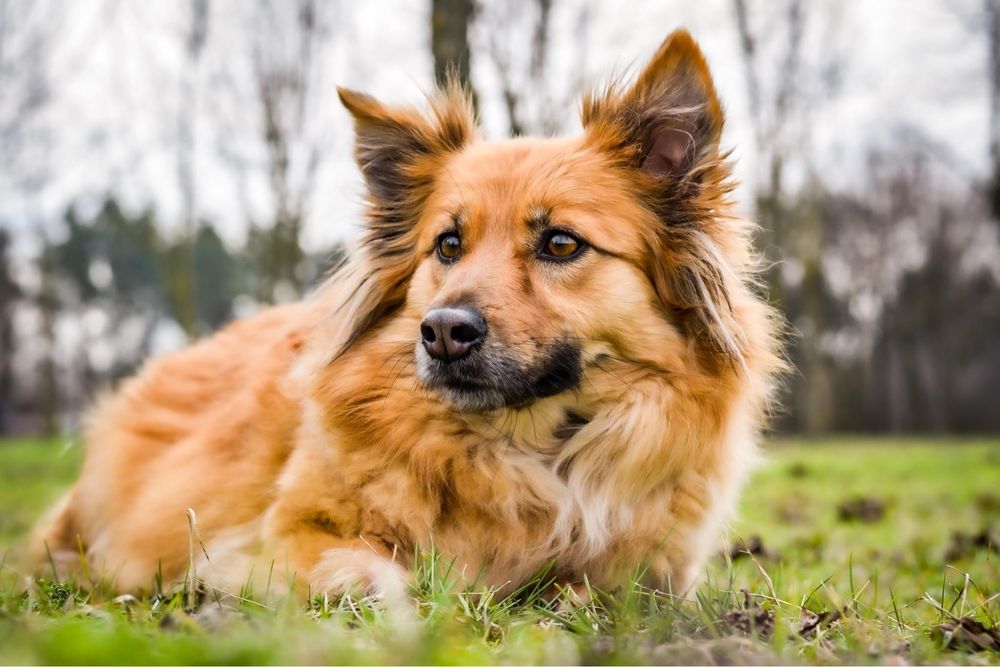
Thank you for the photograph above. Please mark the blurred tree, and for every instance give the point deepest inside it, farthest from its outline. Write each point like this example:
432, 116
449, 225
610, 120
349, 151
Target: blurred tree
537, 93
185, 285
116, 265
897, 316
993, 72
287, 76
27, 34
911, 304
450, 20
47, 303
781, 104
10, 292
109, 283
137, 257
221, 277
123, 266
936, 355
27, 30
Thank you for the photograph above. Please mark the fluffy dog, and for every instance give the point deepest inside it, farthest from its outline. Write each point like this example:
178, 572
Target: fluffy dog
546, 352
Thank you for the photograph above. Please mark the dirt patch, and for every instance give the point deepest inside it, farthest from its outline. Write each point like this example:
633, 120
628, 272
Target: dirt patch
987, 502
793, 510
798, 470
967, 544
723, 651
750, 619
865, 509
751, 546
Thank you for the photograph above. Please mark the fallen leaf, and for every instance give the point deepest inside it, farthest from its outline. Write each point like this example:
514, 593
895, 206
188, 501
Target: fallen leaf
750, 619
967, 634
811, 622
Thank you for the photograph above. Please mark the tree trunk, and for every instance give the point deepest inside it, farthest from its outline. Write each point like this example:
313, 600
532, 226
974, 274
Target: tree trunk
48, 305
9, 294
184, 296
993, 64
450, 21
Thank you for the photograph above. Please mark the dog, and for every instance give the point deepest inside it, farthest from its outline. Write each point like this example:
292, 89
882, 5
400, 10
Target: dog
546, 353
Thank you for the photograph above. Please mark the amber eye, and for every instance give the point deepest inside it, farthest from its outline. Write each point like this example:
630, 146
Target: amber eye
560, 245
449, 246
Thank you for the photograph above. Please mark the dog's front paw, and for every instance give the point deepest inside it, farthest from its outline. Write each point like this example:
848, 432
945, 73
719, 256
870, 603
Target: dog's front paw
359, 572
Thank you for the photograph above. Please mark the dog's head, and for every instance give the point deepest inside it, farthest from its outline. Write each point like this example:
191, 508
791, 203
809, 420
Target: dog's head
525, 260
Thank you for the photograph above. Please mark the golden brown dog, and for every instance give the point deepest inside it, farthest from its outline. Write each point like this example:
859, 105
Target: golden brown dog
546, 351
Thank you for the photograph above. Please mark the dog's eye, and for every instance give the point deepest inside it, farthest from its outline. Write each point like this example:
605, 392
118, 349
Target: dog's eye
561, 245
449, 246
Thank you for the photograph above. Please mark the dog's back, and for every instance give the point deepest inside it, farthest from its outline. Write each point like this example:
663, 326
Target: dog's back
205, 403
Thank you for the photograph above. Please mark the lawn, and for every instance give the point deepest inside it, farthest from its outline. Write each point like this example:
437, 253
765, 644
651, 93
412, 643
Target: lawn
861, 551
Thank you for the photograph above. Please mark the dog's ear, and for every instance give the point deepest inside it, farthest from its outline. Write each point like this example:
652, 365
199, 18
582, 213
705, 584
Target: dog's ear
400, 151
669, 121
664, 132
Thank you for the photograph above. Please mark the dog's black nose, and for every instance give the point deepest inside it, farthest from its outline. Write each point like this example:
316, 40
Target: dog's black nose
449, 334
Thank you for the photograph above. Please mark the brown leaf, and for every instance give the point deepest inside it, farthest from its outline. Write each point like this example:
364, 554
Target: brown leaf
750, 619
811, 622
966, 634
987, 502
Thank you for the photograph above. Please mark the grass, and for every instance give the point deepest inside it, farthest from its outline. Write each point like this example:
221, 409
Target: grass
863, 551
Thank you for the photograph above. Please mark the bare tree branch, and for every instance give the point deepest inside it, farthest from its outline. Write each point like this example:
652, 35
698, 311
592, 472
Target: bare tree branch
536, 98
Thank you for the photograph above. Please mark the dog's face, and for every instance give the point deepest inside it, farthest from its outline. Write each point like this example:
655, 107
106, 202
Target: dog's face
527, 261
529, 270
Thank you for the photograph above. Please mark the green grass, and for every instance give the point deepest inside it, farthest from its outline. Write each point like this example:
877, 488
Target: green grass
886, 584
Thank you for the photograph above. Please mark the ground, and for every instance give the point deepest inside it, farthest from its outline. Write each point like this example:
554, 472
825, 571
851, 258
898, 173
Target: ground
860, 551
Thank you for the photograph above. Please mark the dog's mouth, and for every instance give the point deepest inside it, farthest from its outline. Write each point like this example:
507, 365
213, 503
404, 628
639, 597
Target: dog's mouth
489, 379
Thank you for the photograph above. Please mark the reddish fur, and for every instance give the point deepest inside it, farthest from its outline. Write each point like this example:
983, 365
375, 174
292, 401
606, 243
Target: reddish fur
303, 435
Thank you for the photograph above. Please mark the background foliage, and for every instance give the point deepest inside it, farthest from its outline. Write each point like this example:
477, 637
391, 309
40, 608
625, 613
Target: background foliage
166, 167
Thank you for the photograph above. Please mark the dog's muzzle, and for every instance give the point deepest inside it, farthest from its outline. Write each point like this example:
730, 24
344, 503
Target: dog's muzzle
474, 371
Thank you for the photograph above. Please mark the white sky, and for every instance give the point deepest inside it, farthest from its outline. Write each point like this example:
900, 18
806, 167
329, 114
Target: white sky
113, 119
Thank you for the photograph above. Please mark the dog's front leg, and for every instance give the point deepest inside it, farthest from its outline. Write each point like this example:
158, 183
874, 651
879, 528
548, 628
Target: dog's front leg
326, 563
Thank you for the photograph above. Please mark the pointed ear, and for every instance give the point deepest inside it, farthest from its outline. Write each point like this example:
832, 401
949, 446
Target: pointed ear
669, 121
400, 150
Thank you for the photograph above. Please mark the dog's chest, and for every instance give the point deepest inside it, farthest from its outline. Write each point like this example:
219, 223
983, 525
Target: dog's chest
507, 520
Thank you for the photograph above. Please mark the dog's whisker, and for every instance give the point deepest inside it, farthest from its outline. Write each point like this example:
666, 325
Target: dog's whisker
401, 351
402, 365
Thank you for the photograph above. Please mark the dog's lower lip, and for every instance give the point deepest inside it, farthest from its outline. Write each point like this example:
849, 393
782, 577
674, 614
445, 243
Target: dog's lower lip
479, 396
457, 384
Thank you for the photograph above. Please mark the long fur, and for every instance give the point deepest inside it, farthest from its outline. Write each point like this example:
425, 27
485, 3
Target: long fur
308, 446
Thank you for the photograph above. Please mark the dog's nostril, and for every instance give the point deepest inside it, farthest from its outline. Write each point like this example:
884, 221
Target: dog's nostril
427, 333
464, 333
